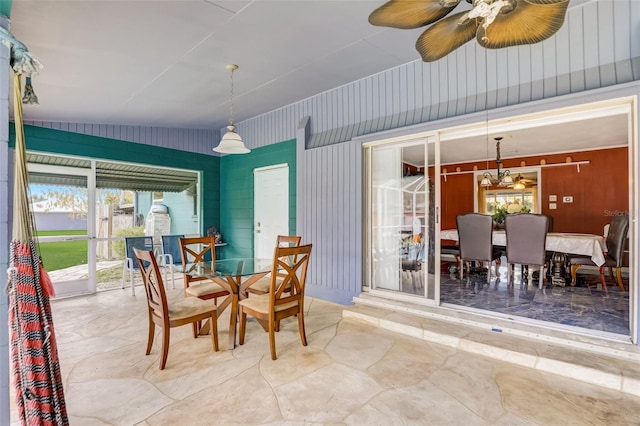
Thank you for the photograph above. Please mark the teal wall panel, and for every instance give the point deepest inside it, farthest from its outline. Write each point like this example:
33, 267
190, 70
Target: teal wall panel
236, 194
61, 142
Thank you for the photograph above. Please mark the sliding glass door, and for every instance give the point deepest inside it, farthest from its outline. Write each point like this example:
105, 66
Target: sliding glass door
401, 219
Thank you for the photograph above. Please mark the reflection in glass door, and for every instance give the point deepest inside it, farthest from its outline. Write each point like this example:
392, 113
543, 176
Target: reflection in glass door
61, 208
401, 220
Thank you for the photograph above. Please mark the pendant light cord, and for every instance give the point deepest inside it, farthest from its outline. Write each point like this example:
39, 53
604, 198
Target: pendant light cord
231, 100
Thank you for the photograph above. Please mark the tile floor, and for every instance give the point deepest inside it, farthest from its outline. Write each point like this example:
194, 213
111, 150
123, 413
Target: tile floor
351, 373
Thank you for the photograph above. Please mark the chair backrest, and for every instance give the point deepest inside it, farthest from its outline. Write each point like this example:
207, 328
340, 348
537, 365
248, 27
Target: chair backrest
294, 274
616, 238
197, 249
475, 236
288, 240
152, 280
550, 223
171, 245
526, 238
141, 243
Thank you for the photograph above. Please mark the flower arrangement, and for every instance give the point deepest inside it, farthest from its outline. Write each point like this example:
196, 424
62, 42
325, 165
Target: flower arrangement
501, 211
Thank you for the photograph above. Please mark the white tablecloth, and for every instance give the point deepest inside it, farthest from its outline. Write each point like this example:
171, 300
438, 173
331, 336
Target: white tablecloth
585, 244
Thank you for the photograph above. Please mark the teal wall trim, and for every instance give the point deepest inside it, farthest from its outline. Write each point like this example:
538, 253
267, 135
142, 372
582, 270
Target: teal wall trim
5, 7
76, 144
236, 194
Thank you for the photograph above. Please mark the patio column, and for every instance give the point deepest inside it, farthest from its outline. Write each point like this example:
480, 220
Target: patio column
6, 205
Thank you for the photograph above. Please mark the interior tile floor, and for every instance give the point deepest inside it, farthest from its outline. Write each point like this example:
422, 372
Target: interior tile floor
350, 373
586, 305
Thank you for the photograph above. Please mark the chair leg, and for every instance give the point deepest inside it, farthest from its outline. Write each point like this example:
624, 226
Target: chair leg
619, 278
214, 331
541, 278
195, 329
165, 347
574, 271
611, 273
508, 273
303, 334
152, 332
460, 266
133, 287
243, 325
272, 338
602, 279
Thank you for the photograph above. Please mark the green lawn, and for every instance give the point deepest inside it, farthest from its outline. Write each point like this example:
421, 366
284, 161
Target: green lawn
62, 254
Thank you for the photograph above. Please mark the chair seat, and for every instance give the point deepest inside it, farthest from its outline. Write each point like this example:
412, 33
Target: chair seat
586, 260
262, 285
189, 307
260, 303
203, 288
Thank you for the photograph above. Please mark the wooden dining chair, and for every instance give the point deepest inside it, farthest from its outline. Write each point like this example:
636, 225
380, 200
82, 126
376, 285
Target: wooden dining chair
284, 299
200, 249
262, 285
475, 236
194, 250
188, 310
526, 241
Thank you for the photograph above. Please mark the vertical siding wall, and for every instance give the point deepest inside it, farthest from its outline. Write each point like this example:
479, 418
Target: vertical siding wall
330, 217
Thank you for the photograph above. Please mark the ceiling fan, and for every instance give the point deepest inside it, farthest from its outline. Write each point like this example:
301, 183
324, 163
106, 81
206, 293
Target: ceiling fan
520, 182
494, 23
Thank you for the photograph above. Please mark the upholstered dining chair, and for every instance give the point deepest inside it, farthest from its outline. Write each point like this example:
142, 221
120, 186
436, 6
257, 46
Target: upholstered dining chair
526, 240
475, 241
182, 311
284, 299
262, 285
615, 242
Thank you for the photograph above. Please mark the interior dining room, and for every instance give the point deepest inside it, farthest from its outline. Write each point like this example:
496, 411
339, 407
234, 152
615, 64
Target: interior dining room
570, 165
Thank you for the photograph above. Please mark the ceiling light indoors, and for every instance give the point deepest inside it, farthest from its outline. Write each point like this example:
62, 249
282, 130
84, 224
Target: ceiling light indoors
231, 142
502, 178
518, 183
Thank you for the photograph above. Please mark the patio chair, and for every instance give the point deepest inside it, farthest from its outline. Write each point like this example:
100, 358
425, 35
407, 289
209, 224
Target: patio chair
171, 256
284, 299
182, 311
262, 285
475, 236
615, 245
526, 241
130, 265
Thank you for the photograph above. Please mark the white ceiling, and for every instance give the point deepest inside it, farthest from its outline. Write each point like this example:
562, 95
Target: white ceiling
162, 63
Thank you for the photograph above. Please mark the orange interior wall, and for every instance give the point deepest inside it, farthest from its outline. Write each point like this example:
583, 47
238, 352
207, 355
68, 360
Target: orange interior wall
599, 191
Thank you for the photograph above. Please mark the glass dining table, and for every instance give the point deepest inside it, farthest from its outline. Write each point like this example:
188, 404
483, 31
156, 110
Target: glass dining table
235, 276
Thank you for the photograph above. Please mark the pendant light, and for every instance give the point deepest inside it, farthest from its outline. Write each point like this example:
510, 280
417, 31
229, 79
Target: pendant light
231, 142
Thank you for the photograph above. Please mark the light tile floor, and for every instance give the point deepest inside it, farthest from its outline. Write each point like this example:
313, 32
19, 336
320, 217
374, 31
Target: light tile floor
351, 373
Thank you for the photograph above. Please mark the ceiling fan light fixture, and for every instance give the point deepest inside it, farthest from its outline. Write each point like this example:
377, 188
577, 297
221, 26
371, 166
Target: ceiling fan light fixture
518, 185
231, 142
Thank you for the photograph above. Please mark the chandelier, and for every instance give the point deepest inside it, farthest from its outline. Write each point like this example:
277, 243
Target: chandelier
502, 178
231, 142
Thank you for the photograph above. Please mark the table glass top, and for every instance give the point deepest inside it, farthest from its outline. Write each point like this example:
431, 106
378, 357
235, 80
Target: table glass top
227, 267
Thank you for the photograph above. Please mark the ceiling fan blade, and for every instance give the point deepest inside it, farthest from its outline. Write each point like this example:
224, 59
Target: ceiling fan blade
527, 23
445, 36
406, 14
